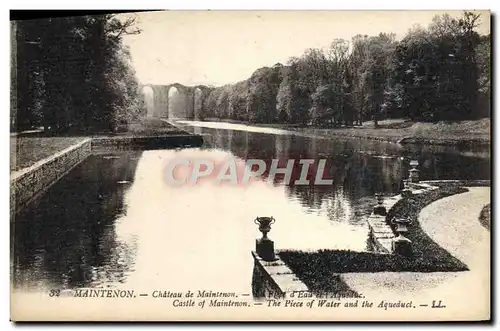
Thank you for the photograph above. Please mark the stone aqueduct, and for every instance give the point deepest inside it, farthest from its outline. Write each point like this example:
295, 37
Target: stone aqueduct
161, 98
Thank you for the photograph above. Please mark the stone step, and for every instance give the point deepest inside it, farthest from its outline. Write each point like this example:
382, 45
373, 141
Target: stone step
388, 236
379, 224
381, 229
383, 233
386, 242
278, 270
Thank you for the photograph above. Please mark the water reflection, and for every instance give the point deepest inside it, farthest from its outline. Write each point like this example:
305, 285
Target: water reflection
68, 238
359, 167
114, 221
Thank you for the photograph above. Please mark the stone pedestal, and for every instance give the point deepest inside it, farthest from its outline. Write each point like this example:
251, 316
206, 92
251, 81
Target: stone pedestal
265, 249
414, 176
379, 210
406, 193
402, 246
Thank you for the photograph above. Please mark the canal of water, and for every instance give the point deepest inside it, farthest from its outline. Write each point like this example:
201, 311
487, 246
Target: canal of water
113, 221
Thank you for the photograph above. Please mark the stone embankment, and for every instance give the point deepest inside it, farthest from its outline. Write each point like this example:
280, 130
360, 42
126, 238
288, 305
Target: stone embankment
383, 229
157, 142
381, 233
274, 278
28, 183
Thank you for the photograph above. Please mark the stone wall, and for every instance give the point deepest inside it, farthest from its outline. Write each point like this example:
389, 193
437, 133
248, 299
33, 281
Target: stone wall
274, 279
381, 233
156, 142
29, 183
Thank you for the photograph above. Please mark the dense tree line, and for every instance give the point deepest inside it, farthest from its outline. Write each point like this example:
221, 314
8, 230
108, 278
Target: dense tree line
441, 72
73, 73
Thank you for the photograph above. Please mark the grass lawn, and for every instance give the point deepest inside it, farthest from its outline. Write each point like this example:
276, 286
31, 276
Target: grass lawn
320, 270
28, 148
148, 126
25, 151
485, 216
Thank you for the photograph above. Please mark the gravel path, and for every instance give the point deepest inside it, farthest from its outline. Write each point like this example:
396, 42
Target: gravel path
453, 223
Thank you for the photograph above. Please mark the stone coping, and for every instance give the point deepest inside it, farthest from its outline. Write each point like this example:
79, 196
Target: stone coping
16, 175
29, 183
163, 141
95, 141
381, 233
280, 274
157, 137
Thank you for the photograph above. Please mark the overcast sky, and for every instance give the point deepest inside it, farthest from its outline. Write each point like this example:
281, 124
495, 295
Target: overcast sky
222, 47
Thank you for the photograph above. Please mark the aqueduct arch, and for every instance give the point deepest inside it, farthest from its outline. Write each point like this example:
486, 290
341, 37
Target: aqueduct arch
161, 99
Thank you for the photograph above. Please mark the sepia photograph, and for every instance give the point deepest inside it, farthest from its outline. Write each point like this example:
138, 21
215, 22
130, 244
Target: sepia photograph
250, 165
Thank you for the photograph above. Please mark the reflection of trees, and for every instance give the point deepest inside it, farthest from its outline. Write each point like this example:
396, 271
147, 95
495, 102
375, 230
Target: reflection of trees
69, 236
239, 143
459, 166
309, 196
359, 168
340, 208
449, 162
246, 145
363, 167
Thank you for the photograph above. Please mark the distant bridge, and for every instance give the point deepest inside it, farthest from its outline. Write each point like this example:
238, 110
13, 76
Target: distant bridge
161, 98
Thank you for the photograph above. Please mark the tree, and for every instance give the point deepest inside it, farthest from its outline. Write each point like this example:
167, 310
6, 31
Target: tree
262, 93
441, 72
321, 112
483, 59
372, 60
81, 74
293, 96
437, 71
222, 102
237, 107
341, 79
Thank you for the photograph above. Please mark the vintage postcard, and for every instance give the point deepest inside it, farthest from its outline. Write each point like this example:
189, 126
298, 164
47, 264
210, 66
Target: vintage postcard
251, 166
